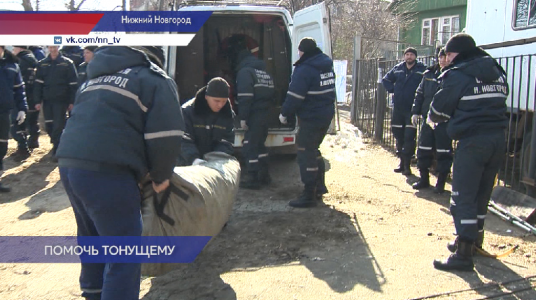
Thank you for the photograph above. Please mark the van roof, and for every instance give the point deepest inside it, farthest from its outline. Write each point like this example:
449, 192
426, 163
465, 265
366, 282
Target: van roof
232, 2
224, 7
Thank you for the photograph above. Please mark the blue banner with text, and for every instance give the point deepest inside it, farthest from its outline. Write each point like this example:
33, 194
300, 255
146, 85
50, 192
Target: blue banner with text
106, 249
152, 21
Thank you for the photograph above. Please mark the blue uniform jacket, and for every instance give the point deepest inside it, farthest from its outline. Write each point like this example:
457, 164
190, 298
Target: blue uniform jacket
206, 131
55, 80
403, 83
472, 98
311, 93
28, 63
426, 91
37, 52
126, 114
11, 85
254, 87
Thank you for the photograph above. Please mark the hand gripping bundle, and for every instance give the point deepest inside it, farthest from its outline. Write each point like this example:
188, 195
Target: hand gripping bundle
199, 202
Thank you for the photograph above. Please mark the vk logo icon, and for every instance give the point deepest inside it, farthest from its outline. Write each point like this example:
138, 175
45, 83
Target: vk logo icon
57, 40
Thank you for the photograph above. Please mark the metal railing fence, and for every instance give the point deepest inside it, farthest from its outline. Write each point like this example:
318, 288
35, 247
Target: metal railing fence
371, 111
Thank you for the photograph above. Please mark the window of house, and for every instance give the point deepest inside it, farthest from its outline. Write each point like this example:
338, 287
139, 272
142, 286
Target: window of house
525, 14
439, 30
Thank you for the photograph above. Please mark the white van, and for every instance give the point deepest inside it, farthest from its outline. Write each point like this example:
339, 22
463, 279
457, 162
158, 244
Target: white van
272, 35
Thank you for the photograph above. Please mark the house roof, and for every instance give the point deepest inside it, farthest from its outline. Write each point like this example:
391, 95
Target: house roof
405, 6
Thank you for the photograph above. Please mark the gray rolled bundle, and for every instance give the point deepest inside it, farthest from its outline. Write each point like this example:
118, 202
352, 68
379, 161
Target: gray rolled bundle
199, 203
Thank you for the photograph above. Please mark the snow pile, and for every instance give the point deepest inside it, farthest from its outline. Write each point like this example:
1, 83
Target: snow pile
348, 141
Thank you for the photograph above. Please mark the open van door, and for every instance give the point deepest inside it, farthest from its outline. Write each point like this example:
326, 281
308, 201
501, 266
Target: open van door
312, 21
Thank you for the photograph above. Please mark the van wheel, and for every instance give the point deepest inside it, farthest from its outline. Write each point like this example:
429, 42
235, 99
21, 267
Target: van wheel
525, 160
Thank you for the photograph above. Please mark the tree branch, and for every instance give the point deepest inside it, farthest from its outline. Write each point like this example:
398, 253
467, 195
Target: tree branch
27, 4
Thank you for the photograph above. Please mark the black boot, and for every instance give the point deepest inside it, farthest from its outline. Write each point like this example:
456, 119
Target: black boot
452, 246
4, 188
479, 242
407, 167
306, 199
251, 181
320, 191
21, 154
53, 158
264, 176
321, 188
33, 142
440, 185
462, 260
424, 181
400, 168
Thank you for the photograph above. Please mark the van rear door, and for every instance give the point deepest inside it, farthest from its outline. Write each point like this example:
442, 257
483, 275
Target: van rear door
312, 21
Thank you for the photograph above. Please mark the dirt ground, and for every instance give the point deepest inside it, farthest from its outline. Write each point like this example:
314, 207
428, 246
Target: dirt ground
374, 238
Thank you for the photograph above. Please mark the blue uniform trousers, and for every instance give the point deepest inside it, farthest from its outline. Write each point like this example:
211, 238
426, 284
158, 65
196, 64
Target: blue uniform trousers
106, 204
476, 162
254, 150
18, 132
435, 140
55, 118
4, 136
404, 133
310, 160
32, 124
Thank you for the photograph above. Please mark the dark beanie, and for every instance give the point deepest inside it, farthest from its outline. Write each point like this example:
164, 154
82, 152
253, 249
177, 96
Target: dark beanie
442, 52
91, 48
217, 87
411, 50
23, 47
155, 54
459, 43
307, 44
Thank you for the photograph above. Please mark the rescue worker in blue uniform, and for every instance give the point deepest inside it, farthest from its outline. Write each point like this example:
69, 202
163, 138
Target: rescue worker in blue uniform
403, 80
37, 52
209, 123
431, 139
255, 94
472, 98
55, 87
311, 96
82, 68
126, 123
28, 63
74, 53
13, 104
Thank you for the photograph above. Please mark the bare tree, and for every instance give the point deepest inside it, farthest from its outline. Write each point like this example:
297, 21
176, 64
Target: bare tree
295, 5
34, 5
72, 6
152, 4
370, 19
27, 4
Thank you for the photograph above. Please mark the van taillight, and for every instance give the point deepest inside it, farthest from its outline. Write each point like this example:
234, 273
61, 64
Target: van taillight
288, 139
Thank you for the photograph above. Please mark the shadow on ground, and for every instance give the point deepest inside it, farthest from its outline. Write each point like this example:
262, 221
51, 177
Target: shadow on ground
50, 200
270, 240
28, 181
495, 280
264, 233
